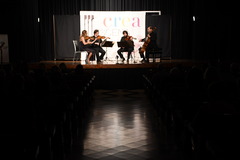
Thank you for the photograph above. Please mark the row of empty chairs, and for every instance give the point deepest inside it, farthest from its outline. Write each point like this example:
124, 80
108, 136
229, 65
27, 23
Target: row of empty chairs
44, 111
198, 107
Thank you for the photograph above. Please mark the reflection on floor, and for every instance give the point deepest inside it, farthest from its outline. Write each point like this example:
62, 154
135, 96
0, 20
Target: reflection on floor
121, 127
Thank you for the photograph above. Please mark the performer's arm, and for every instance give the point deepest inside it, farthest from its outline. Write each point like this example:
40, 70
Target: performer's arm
86, 42
142, 40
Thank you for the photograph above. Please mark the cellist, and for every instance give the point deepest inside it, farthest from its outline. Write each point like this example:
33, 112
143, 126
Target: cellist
150, 43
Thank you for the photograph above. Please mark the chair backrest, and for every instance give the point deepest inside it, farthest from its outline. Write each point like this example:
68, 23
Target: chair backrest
75, 45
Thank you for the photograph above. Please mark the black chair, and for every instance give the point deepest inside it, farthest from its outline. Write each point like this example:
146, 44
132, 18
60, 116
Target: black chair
77, 50
155, 53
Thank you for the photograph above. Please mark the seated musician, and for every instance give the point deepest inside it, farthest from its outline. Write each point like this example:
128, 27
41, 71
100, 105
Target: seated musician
97, 45
85, 45
129, 47
150, 43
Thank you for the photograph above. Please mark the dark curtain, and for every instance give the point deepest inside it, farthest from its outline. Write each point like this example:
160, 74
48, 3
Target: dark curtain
30, 31
19, 19
46, 39
163, 24
180, 12
214, 31
32, 41
67, 30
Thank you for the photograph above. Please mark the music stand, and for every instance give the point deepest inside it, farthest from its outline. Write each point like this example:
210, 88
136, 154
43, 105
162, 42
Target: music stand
122, 44
107, 44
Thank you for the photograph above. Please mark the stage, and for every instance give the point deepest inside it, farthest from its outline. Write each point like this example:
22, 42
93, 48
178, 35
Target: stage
114, 64
112, 74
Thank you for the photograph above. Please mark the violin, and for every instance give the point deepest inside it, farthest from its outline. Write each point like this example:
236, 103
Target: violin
93, 38
87, 38
101, 37
128, 38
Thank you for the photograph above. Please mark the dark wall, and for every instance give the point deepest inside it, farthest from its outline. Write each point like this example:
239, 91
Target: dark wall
210, 36
11, 23
19, 21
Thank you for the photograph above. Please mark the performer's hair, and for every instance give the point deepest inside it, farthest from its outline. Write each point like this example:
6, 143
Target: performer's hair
84, 33
95, 31
125, 32
153, 28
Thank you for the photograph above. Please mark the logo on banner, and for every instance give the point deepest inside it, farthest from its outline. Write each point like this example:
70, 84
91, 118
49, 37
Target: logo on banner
121, 22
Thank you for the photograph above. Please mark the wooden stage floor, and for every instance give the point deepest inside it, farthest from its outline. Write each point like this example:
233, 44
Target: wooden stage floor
119, 64
120, 75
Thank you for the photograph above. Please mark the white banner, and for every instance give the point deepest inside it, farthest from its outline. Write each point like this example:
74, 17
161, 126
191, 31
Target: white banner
111, 24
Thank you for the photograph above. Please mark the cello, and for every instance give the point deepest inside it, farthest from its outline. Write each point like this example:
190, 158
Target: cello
147, 40
144, 46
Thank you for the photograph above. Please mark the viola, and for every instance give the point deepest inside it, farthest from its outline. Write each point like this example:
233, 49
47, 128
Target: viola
128, 38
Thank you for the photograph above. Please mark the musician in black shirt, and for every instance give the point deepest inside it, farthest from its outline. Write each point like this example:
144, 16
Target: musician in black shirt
129, 46
150, 44
97, 45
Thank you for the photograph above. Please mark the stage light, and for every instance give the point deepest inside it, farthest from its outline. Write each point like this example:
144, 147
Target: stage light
38, 20
194, 18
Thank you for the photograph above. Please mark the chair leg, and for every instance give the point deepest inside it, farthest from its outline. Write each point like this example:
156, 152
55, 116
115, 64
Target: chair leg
73, 57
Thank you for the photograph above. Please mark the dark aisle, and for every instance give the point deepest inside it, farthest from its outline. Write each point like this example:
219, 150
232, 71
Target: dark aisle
121, 126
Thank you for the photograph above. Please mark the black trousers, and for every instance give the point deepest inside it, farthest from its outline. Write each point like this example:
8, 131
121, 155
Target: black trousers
129, 50
98, 50
90, 49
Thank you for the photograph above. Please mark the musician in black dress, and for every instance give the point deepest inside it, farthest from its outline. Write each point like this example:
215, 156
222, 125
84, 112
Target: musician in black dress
97, 45
86, 45
129, 46
150, 44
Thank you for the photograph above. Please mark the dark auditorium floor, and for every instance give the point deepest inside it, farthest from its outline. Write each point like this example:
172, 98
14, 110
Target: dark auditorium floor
122, 126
